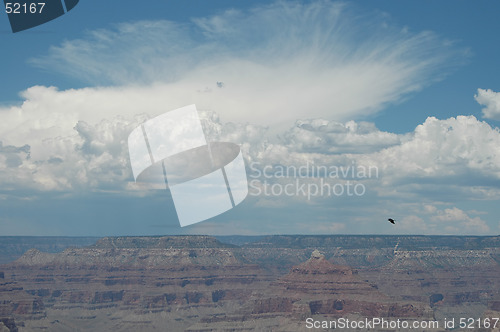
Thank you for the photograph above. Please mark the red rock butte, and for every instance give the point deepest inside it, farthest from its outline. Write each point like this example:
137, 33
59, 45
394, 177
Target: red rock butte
201, 283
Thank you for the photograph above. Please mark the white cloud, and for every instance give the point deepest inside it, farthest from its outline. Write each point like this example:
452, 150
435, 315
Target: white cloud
325, 136
459, 148
450, 215
428, 219
430, 208
54, 142
413, 224
460, 222
11, 160
441, 159
491, 100
458, 156
93, 157
291, 59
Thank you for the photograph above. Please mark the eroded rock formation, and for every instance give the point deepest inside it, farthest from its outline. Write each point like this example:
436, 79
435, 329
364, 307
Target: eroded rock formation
197, 283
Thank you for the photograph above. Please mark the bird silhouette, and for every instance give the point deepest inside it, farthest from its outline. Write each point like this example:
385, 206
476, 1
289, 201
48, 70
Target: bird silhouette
392, 221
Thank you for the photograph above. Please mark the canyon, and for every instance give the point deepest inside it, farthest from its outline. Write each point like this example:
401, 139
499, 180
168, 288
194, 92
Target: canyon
265, 283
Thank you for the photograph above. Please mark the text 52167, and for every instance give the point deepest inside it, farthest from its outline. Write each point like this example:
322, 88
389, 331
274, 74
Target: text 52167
24, 8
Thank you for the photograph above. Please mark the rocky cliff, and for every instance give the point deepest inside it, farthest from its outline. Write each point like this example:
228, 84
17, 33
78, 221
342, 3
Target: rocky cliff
13, 247
198, 283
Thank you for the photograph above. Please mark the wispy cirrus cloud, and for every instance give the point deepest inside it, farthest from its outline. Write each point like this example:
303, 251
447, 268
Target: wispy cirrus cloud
320, 59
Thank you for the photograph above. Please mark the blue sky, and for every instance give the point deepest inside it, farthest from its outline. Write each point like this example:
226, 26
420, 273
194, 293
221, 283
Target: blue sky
388, 84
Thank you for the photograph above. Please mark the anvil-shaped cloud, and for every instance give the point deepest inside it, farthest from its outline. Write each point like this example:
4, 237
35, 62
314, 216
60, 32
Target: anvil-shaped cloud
274, 64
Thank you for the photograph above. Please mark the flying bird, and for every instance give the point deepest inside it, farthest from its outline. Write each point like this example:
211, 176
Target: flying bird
392, 221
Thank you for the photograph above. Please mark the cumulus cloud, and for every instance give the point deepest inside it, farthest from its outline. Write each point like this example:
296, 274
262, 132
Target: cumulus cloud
442, 161
13, 156
462, 148
413, 224
53, 142
444, 221
11, 160
458, 221
458, 156
453, 214
325, 136
93, 157
491, 100
320, 59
